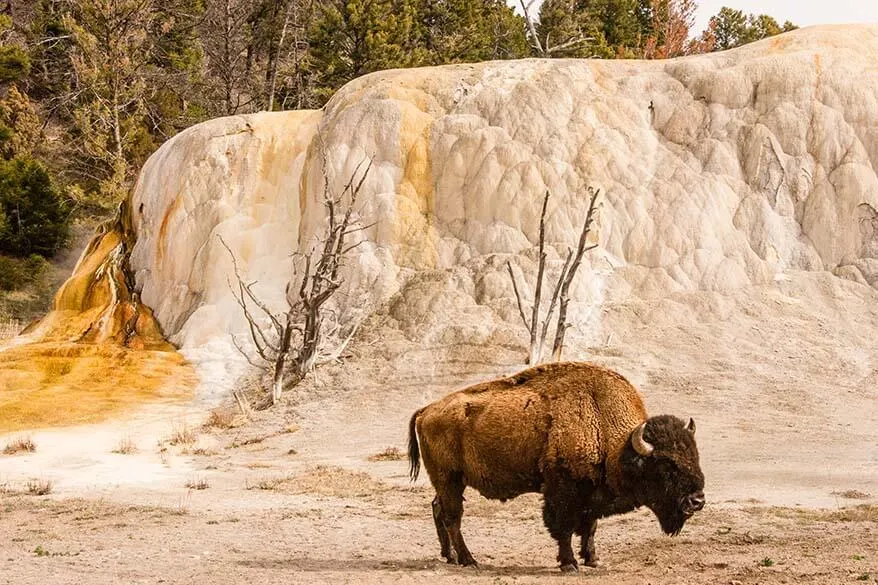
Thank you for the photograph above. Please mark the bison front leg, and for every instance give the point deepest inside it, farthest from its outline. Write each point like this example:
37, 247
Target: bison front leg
561, 513
586, 530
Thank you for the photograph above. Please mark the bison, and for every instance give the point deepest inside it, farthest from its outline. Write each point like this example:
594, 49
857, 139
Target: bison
577, 433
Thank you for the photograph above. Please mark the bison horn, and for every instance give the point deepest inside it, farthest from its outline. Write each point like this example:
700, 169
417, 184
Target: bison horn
690, 426
640, 444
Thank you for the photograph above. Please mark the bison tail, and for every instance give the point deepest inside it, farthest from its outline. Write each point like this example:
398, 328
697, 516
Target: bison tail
414, 450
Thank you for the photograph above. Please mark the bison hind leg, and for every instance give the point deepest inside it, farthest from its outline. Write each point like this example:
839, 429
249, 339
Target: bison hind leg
450, 496
442, 532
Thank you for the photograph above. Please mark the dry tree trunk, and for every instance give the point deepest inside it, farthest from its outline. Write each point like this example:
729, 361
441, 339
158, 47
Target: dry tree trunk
291, 5
291, 342
567, 278
537, 328
536, 342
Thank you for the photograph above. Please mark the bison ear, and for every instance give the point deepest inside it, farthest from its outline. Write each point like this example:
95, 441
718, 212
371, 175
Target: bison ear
641, 445
690, 426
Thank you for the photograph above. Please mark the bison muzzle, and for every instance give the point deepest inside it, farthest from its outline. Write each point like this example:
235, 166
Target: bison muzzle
575, 432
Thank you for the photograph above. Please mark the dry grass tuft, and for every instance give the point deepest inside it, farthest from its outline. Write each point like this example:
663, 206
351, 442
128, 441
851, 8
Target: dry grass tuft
323, 480
860, 513
388, 454
197, 484
852, 495
39, 487
221, 418
243, 442
125, 447
20, 445
9, 327
269, 483
183, 435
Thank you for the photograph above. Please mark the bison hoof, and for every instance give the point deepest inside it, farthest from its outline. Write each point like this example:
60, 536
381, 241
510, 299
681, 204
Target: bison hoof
469, 562
570, 568
593, 563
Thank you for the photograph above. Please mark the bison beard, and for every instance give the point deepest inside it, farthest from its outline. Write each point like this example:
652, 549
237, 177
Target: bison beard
575, 432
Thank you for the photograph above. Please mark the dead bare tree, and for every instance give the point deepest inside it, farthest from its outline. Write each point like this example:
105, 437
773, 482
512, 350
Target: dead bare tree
543, 47
538, 329
290, 344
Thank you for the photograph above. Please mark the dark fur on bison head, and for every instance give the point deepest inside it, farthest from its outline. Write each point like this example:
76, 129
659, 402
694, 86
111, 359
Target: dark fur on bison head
660, 470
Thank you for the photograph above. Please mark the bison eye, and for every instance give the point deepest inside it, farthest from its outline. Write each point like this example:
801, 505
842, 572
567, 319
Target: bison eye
670, 466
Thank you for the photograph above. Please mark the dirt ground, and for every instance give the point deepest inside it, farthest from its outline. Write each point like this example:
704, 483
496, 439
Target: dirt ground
352, 532
782, 382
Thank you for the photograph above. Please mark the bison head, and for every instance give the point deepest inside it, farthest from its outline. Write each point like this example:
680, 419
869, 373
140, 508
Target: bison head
661, 470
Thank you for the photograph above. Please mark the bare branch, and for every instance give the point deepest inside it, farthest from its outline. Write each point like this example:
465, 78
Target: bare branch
246, 355
561, 278
335, 354
517, 296
245, 288
536, 345
562, 326
299, 345
243, 404
531, 28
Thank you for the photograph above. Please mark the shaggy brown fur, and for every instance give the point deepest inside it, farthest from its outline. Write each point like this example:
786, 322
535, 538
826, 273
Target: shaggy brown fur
560, 429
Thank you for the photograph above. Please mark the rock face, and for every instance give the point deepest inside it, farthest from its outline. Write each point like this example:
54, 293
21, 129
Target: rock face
718, 172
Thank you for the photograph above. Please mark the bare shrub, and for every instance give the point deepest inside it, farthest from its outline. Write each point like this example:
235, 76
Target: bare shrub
388, 454
268, 483
20, 445
9, 327
38, 487
126, 446
183, 435
220, 418
197, 484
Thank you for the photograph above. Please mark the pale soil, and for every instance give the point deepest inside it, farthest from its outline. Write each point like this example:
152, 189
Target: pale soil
782, 382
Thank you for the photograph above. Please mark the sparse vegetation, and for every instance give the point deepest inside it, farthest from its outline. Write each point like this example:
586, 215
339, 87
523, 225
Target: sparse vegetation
258, 465
852, 495
18, 273
220, 418
19, 445
9, 327
182, 434
859, 513
126, 446
863, 577
39, 487
268, 484
244, 441
40, 551
388, 454
766, 562
197, 484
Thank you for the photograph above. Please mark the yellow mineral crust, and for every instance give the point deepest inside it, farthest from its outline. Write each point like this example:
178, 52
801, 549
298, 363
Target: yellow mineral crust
98, 351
